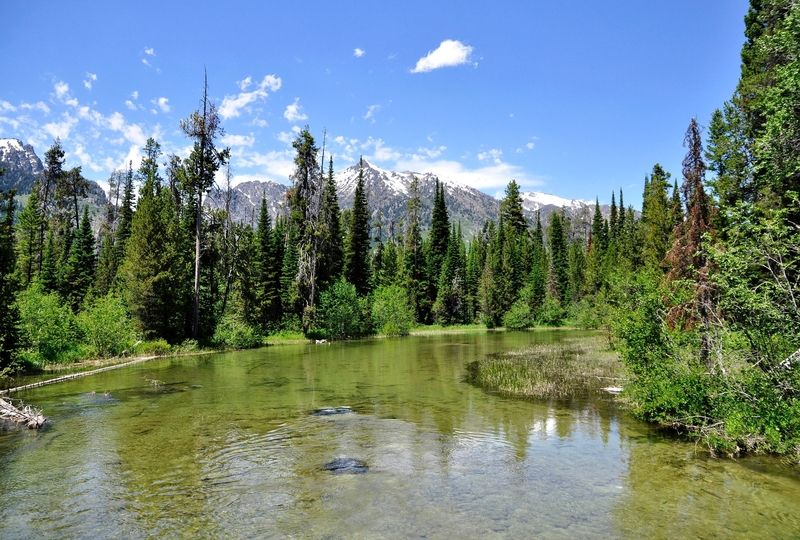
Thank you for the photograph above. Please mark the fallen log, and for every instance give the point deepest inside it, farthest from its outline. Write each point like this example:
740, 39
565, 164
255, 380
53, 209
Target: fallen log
25, 414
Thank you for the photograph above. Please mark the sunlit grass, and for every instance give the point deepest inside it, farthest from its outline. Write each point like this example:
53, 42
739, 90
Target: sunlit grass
549, 371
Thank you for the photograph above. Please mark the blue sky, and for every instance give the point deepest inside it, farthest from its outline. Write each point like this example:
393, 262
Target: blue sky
570, 98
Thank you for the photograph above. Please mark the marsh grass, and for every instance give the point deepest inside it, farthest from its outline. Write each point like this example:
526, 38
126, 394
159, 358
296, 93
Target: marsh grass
563, 370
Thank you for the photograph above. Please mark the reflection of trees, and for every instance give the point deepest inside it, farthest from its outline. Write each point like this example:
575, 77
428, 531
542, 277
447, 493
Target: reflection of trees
674, 490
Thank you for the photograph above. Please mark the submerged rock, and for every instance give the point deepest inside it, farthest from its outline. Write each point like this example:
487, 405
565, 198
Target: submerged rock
346, 465
330, 411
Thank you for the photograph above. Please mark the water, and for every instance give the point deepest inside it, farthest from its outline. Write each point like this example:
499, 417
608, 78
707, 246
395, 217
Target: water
225, 446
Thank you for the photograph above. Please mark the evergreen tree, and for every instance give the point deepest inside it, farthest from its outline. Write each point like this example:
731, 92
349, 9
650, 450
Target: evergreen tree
538, 276
451, 302
123, 230
413, 268
203, 126
357, 266
559, 263
656, 221
266, 278
675, 208
28, 242
53, 171
331, 250
49, 275
80, 265
511, 209
613, 220
9, 316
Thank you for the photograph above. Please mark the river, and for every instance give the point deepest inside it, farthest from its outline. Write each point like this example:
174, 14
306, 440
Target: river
224, 445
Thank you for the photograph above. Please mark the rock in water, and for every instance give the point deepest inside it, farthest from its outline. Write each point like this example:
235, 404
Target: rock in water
346, 465
330, 411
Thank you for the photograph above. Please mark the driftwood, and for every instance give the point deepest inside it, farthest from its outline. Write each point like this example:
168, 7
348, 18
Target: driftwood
27, 415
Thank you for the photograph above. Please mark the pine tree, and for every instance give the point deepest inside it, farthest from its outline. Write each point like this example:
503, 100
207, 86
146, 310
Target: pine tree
123, 230
676, 208
155, 273
511, 209
80, 265
357, 265
29, 246
9, 317
450, 306
413, 268
656, 222
331, 250
203, 126
266, 275
686, 258
53, 171
559, 264
613, 221
539, 266
49, 275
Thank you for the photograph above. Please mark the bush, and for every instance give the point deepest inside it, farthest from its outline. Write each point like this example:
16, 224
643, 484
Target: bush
47, 327
551, 313
156, 347
340, 314
233, 332
519, 316
390, 311
106, 327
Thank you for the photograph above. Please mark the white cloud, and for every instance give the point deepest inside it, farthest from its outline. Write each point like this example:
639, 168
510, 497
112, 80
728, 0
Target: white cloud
260, 122
358, 53
40, 106
530, 145
85, 159
62, 129
5, 106
493, 154
238, 140
162, 103
130, 104
145, 62
89, 80
276, 165
135, 94
380, 152
494, 176
245, 83
62, 93
232, 105
294, 112
149, 51
449, 53
371, 111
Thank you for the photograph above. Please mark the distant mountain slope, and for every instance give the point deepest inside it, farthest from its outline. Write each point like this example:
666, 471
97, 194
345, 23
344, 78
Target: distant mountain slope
388, 193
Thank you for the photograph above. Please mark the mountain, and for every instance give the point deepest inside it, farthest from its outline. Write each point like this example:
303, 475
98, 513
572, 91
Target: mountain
388, 193
22, 168
21, 165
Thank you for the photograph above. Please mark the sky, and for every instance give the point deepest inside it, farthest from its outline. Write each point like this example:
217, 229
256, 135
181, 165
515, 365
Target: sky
574, 98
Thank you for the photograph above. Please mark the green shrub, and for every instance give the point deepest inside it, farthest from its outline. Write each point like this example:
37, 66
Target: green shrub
106, 327
47, 327
519, 316
551, 313
155, 347
390, 311
341, 313
235, 333
186, 346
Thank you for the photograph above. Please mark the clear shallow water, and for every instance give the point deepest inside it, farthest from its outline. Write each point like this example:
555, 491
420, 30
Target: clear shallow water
225, 447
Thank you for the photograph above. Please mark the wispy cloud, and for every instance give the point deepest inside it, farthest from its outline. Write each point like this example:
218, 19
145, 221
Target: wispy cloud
238, 140
371, 112
358, 52
232, 105
88, 82
294, 112
162, 103
449, 53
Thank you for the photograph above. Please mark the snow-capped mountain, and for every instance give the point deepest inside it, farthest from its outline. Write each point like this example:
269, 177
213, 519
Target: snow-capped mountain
21, 165
22, 168
388, 193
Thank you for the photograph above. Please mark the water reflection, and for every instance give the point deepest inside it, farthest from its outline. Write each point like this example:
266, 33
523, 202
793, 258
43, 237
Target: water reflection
226, 446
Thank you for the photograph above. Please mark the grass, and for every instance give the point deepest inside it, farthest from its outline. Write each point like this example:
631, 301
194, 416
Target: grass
549, 371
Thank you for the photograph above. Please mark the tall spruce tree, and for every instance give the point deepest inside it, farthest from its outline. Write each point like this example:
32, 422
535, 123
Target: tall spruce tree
266, 278
80, 267
656, 221
28, 243
332, 249
357, 264
413, 269
511, 209
9, 316
203, 127
559, 263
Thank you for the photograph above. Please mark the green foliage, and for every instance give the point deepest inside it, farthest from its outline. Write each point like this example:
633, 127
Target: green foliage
551, 313
341, 313
233, 332
357, 259
106, 327
48, 328
519, 317
391, 311
156, 347
9, 317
